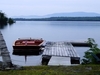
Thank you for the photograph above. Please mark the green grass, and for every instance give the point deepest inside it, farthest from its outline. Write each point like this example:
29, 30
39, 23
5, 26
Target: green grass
56, 70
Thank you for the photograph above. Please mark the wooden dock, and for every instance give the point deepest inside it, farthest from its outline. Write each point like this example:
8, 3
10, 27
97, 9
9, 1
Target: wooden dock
4, 53
60, 49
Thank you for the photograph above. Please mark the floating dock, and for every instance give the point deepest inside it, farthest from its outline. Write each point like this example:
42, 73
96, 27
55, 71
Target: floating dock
55, 52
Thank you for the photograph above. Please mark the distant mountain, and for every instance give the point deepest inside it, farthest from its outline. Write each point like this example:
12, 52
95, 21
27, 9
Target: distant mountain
72, 14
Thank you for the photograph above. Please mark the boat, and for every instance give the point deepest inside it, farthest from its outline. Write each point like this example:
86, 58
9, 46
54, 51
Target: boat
28, 46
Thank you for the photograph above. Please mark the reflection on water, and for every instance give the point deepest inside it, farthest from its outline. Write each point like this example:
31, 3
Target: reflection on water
2, 26
49, 31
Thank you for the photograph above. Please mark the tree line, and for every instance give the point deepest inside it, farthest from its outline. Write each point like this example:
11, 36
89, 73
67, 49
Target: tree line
60, 19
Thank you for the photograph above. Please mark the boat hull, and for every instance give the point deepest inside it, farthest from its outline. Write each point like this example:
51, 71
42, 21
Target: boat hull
27, 50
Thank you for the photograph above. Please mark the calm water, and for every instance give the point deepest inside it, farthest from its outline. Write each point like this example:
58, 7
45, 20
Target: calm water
50, 31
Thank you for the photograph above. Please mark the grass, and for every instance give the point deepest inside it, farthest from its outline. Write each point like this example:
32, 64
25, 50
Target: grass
56, 70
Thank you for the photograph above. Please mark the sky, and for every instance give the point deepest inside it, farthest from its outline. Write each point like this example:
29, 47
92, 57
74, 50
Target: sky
44, 7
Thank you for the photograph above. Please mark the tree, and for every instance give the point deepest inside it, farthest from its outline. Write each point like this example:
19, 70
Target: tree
5, 20
88, 57
10, 21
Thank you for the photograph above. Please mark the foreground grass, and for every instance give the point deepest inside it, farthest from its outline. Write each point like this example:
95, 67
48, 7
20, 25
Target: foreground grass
56, 70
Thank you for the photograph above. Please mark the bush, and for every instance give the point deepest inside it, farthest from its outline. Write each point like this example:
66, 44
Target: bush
89, 54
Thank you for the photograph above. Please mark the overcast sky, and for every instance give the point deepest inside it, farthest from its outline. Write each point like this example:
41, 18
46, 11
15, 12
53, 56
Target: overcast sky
44, 7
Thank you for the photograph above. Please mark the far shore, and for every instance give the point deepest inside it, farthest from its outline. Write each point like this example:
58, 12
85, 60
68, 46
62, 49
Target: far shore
59, 19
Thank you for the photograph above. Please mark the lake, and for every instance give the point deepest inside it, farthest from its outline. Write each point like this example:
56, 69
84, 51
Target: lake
50, 31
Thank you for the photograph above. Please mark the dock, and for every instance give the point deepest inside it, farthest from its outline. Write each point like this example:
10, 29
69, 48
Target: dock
4, 53
60, 53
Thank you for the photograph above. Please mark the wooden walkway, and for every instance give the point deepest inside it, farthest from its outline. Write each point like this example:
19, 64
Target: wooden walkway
59, 50
63, 49
4, 53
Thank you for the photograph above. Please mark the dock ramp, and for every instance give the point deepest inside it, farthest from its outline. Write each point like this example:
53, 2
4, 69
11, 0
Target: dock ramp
55, 60
4, 53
